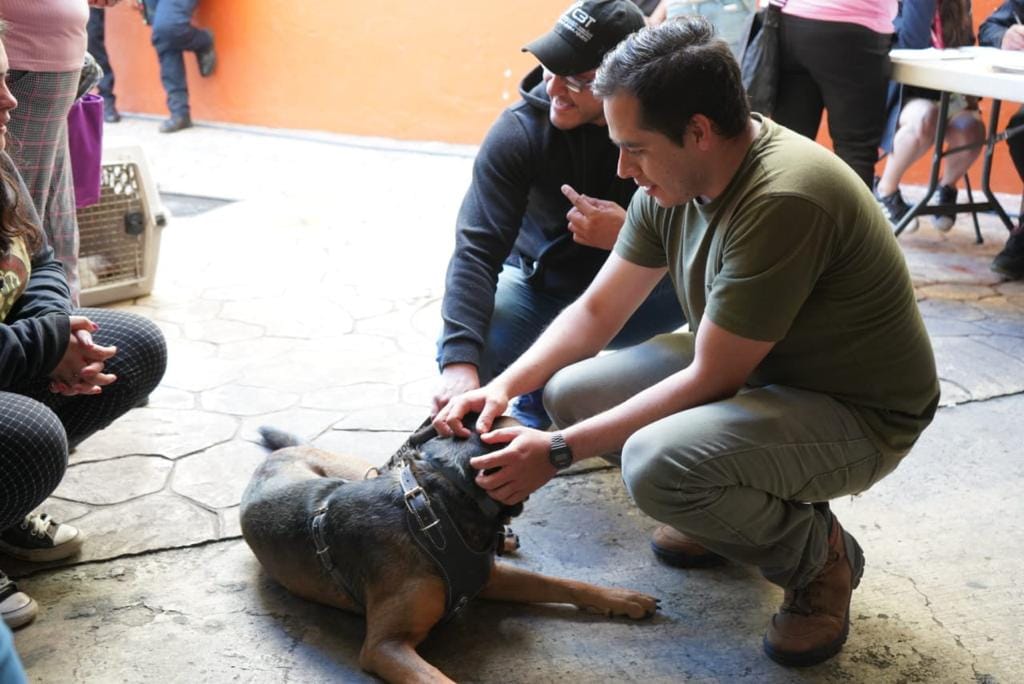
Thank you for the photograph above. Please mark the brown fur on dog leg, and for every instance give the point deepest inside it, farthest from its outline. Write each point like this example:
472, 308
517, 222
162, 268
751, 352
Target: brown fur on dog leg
398, 618
508, 583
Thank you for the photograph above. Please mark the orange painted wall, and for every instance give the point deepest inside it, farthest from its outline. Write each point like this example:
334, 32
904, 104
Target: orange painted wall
407, 69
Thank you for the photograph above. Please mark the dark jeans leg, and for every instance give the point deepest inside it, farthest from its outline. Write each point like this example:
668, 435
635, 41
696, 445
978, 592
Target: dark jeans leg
98, 49
852, 83
173, 35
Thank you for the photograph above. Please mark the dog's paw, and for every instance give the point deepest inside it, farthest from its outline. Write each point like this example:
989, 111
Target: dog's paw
625, 602
509, 541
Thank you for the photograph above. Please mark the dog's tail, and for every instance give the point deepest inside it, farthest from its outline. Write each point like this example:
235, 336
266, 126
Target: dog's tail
275, 439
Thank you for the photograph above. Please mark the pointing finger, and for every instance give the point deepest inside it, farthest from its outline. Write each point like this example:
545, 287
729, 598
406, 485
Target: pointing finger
581, 202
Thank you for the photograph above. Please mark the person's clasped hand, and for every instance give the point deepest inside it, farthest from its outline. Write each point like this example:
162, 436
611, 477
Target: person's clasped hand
593, 222
1013, 39
80, 371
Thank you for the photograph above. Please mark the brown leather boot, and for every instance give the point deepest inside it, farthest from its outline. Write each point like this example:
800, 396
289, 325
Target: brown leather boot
674, 548
812, 624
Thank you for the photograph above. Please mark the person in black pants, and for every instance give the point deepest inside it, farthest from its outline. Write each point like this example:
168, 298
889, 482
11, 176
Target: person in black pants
98, 49
1003, 29
64, 374
842, 67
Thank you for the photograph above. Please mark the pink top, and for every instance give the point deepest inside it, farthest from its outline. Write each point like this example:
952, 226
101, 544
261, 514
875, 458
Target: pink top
45, 35
876, 15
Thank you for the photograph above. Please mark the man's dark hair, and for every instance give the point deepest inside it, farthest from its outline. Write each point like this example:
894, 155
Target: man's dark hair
676, 70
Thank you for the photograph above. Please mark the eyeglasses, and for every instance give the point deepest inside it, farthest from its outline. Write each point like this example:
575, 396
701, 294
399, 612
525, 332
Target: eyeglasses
576, 85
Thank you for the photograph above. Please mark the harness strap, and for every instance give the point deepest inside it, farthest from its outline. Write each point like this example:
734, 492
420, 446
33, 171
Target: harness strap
323, 552
417, 503
465, 572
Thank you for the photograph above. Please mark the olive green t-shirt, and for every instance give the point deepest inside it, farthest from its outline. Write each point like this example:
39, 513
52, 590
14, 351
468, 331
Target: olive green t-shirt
796, 251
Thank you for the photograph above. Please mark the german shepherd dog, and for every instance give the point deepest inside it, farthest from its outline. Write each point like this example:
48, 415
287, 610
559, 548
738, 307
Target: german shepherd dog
337, 530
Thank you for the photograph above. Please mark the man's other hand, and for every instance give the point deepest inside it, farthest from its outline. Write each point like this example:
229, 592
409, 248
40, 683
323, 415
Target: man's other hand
593, 222
511, 474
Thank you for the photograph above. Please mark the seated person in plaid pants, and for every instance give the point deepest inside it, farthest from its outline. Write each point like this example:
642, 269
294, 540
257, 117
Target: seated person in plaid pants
64, 374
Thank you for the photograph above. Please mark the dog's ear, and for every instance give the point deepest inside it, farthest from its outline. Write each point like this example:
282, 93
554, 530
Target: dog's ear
504, 422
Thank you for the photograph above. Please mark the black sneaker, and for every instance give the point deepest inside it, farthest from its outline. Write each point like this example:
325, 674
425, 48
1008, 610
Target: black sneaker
207, 59
1010, 261
110, 113
16, 607
39, 538
895, 208
946, 195
176, 123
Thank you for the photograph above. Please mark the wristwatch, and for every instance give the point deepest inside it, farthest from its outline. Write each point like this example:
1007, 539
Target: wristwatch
561, 454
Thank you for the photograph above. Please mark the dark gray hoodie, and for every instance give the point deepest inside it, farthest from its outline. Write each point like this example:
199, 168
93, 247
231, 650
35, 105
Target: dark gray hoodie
514, 212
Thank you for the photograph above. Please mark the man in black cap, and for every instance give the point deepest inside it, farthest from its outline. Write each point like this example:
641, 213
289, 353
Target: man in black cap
531, 233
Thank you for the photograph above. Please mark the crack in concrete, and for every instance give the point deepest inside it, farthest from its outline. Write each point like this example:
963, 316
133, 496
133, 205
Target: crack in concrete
135, 554
928, 605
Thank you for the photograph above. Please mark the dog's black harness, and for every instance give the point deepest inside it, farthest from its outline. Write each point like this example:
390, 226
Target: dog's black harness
465, 572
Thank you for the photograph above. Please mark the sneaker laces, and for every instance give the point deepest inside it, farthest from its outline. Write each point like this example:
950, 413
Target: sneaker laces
38, 525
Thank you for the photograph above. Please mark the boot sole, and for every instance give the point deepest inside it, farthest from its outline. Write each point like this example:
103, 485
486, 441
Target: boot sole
678, 559
820, 655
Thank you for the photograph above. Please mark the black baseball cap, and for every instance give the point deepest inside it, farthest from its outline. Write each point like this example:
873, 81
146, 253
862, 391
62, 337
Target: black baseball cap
584, 33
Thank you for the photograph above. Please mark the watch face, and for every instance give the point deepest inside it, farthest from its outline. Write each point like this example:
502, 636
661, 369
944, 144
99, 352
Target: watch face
561, 458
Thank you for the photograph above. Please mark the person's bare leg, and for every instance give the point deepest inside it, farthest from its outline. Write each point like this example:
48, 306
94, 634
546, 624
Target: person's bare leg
914, 136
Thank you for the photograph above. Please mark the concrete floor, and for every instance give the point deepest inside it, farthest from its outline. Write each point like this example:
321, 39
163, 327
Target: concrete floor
312, 301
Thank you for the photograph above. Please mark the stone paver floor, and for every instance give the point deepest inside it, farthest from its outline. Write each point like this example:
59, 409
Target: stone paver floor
312, 303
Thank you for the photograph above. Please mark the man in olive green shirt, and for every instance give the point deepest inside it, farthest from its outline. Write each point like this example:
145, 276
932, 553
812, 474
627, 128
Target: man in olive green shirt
807, 373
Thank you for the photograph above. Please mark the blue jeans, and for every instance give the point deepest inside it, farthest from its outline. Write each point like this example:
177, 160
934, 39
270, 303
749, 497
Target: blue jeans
11, 671
173, 35
521, 313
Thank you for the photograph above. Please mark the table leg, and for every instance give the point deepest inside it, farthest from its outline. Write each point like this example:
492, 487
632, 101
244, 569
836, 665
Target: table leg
986, 167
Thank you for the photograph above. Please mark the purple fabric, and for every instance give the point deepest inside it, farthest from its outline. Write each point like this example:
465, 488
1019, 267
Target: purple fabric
85, 145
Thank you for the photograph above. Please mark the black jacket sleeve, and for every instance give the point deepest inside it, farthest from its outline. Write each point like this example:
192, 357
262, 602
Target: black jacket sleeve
487, 227
35, 334
991, 31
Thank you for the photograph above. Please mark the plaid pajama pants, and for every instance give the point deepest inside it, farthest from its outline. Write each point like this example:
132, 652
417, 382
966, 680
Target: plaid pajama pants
37, 140
37, 427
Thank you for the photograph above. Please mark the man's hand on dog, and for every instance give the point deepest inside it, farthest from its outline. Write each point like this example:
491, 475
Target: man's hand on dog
521, 468
489, 401
456, 379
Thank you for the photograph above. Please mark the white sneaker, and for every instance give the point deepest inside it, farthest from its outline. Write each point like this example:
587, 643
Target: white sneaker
16, 607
